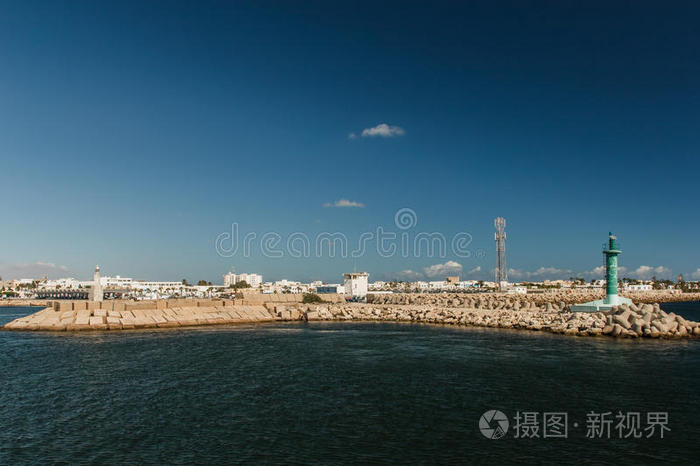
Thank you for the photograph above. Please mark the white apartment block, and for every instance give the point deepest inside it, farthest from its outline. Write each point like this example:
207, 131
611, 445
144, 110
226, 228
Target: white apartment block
252, 279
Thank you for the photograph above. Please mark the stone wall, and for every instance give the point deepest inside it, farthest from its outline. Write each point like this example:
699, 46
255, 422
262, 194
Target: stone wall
246, 300
12, 302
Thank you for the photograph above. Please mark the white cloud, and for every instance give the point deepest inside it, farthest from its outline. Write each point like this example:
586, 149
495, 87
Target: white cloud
552, 272
476, 269
696, 274
443, 270
541, 273
383, 130
409, 275
37, 269
597, 272
642, 272
343, 203
646, 272
352, 136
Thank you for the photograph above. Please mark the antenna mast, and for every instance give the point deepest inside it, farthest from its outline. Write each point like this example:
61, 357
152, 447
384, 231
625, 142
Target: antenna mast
500, 236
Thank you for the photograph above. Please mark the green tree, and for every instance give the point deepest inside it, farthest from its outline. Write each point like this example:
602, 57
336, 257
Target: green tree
310, 298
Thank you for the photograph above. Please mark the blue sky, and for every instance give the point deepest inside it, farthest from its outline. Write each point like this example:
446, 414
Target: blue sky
132, 134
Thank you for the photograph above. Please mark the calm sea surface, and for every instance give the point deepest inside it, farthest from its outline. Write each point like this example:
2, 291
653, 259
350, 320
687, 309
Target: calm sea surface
335, 393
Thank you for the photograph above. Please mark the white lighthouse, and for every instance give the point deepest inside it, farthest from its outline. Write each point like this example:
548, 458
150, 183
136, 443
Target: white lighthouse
96, 290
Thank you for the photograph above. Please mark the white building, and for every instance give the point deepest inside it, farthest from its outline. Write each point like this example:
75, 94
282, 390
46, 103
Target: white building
156, 286
422, 285
116, 282
252, 279
287, 286
517, 290
468, 284
229, 279
330, 288
378, 285
356, 284
63, 284
642, 287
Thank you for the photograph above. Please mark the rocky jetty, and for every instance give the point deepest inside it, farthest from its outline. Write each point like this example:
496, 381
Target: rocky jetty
558, 299
492, 301
633, 321
625, 321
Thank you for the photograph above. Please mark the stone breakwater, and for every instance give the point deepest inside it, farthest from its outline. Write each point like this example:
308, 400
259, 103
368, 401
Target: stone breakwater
50, 319
644, 320
549, 300
633, 321
126, 315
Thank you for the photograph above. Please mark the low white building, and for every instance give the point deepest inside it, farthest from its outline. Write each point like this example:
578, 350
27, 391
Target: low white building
116, 282
468, 284
517, 290
63, 284
332, 288
156, 286
640, 287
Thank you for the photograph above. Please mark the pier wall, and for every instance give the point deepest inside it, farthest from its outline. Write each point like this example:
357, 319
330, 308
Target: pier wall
14, 302
125, 315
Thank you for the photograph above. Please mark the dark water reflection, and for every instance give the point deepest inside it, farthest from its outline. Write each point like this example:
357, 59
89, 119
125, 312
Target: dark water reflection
332, 393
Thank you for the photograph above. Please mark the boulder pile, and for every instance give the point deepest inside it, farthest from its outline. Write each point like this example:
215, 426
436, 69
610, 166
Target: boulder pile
633, 321
647, 320
539, 299
491, 301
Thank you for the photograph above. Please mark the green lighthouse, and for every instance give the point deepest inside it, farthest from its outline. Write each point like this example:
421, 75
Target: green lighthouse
611, 254
610, 251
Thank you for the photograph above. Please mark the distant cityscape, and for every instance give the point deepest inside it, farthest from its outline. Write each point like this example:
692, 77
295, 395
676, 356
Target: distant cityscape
354, 284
